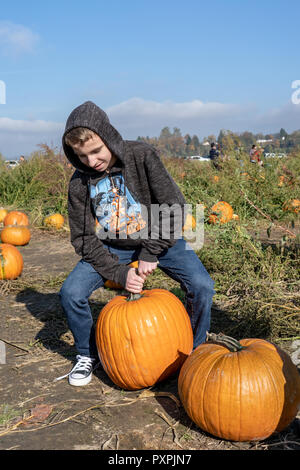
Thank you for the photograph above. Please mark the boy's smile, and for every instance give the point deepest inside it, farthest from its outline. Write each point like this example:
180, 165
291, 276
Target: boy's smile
94, 154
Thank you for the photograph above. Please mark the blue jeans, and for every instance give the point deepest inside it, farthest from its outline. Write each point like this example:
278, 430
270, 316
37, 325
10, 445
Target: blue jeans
181, 264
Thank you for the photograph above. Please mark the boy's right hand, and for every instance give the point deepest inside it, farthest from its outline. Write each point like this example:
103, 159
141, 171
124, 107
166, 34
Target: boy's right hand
134, 282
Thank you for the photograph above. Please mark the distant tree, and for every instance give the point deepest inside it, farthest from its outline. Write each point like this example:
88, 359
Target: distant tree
221, 136
247, 139
165, 133
211, 138
195, 142
176, 132
187, 139
283, 134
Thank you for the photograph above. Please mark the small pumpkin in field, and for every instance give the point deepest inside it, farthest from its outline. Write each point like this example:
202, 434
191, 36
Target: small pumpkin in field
115, 285
54, 220
239, 391
16, 235
16, 218
190, 223
144, 338
11, 261
292, 206
3, 214
221, 212
246, 176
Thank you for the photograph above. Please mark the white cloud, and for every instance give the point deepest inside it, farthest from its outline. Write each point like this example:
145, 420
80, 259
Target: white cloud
141, 117
16, 39
36, 127
21, 137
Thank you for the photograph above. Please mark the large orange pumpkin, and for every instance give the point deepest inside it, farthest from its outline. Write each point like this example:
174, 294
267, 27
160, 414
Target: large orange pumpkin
141, 342
115, 285
239, 391
11, 261
3, 214
292, 206
54, 220
16, 235
16, 218
221, 212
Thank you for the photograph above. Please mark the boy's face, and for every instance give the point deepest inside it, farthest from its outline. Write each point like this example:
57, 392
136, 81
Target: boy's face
94, 154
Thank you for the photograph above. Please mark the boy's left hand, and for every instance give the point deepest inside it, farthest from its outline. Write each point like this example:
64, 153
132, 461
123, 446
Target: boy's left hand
145, 268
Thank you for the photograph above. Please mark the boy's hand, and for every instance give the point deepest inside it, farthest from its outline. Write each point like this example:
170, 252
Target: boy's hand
145, 268
134, 282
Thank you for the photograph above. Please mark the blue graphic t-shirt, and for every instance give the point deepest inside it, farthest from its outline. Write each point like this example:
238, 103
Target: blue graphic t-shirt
115, 208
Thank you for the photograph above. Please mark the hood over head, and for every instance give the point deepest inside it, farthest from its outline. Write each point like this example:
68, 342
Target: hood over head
94, 118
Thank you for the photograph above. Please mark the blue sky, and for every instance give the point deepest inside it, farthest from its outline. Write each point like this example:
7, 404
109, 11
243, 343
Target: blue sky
200, 66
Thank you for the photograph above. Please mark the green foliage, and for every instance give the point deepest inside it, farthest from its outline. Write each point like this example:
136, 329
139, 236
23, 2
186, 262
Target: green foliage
38, 186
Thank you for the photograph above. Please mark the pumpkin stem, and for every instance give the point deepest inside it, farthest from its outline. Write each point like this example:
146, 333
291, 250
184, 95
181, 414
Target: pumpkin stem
132, 296
232, 344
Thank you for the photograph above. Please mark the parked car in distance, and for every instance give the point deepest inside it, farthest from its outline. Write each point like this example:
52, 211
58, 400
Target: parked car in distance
11, 163
198, 158
275, 155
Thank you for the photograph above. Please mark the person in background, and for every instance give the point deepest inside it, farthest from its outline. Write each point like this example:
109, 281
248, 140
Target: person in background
214, 155
255, 155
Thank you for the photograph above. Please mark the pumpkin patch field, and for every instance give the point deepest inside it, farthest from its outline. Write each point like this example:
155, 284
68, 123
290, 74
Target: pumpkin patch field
238, 391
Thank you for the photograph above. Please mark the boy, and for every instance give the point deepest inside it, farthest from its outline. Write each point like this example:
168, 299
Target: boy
116, 187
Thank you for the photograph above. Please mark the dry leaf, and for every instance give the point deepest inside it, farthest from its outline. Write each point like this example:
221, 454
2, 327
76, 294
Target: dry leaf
40, 413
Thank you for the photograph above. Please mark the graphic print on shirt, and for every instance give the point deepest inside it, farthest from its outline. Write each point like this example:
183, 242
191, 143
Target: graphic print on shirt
115, 208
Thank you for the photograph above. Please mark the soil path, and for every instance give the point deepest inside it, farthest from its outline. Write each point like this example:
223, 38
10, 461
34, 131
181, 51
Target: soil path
38, 413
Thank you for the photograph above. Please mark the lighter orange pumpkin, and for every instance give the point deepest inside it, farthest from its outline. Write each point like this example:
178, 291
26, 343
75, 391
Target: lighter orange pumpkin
16, 218
16, 235
141, 342
3, 214
54, 220
292, 206
11, 261
239, 391
190, 223
221, 212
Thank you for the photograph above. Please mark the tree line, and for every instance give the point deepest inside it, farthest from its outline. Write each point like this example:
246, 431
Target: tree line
174, 144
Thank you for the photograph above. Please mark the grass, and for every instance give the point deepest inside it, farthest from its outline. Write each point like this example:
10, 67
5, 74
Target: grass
7, 413
257, 283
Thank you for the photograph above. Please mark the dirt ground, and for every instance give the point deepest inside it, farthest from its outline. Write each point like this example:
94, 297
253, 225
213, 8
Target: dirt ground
38, 413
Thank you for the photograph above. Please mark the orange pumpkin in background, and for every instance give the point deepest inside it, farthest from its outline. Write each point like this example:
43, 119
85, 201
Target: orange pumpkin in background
3, 214
16, 218
54, 220
190, 223
144, 338
239, 391
11, 261
16, 235
221, 212
292, 206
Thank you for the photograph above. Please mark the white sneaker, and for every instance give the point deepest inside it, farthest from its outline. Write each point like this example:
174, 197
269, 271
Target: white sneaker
81, 374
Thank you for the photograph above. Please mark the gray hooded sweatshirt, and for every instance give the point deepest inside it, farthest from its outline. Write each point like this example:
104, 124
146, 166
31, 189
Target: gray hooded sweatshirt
140, 178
